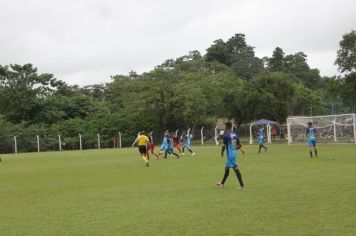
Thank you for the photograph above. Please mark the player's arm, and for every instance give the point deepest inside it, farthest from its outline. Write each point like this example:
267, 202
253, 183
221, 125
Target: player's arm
135, 141
223, 147
222, 150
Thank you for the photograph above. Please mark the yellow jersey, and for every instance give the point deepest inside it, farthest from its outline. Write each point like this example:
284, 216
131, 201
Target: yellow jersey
142, 140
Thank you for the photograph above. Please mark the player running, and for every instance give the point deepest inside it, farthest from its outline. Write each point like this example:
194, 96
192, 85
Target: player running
176, 143
231, 142
151, 147
143, 142
167, 146
186, 139
311, 135
260, 140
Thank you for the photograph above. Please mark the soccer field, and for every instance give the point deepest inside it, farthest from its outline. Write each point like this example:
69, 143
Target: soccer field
111, 192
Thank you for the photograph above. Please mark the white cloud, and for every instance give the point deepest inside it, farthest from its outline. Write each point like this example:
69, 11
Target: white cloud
85, 42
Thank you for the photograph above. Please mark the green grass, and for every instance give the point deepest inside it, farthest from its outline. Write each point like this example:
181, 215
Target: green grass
111, 192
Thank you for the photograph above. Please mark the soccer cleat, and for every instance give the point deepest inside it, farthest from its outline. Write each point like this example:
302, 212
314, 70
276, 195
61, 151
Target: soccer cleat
219, 185
241, 188
182, 154
193, 154
147, 164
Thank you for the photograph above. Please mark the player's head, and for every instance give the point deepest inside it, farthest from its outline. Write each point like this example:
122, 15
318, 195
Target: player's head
143, 132
228, 125
310, 124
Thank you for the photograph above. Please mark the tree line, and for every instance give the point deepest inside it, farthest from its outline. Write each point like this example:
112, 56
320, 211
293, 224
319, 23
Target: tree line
194, 90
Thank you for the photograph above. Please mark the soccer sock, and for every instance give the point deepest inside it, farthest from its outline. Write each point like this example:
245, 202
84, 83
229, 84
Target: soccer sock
145, 158
227, 171
183, 149
190, 150
239, 177
316, 153
259, 150
165, 154
311, 153
176, 154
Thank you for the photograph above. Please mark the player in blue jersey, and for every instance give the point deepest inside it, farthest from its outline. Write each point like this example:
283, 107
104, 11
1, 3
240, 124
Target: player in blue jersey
167, 146
231, 143
185, 138
260, 140
311, 136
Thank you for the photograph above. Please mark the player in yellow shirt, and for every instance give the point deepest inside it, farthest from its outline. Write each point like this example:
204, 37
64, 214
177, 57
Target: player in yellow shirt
143, 142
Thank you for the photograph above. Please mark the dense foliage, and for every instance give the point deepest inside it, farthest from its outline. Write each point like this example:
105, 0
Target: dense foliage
191, 91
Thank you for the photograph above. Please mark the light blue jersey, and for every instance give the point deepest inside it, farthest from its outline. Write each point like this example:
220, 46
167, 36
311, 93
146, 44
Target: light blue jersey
311, 136
231, 141
165, 143
187, 141
260, 137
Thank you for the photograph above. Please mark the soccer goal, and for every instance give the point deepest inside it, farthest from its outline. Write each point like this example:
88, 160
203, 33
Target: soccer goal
331, 129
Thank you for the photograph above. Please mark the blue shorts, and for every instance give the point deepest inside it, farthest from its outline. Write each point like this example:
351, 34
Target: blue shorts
187, 145
164, 147
311, 143
231, 162
260, 141
170, 149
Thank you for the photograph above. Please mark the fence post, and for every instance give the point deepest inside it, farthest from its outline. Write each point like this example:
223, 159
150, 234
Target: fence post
216, 136
334, 126
15, 144
354, 123
38, 143
120, 139
202, 135
251, 137
59, 143
98, 141
80, 142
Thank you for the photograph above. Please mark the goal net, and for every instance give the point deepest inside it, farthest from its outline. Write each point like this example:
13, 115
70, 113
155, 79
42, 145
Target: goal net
331, 129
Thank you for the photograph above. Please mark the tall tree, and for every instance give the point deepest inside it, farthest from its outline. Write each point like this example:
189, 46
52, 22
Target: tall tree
276, 62
346, 61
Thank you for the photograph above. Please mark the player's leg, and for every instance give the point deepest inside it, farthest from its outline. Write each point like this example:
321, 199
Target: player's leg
239, 176
147, 153
315, 151
310, 144
226, 174
191, 151
259, 149
152, 148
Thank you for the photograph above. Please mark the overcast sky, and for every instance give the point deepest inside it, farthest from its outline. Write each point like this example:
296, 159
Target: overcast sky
85, 41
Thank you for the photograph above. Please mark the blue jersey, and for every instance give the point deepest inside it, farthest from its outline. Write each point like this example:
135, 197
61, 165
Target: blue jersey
311, 134
231, 142
187, 139
260, 133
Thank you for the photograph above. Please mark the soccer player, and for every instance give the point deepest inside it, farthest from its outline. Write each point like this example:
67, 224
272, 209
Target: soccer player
143, 142
167, 146
176, 143
260, 140
231, 142
186, 139
151, 147
311, 135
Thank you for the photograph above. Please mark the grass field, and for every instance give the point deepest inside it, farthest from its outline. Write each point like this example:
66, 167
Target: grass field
111, 192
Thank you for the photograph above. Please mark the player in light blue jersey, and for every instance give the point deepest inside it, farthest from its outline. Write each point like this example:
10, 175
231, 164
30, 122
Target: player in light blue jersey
260, 140
312, 136
185, 138
167, 146
231, 143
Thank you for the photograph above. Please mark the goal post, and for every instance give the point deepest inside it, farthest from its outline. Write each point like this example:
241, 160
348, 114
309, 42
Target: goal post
331, 128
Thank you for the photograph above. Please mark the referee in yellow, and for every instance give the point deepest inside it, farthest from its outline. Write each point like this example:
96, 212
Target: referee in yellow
143, 142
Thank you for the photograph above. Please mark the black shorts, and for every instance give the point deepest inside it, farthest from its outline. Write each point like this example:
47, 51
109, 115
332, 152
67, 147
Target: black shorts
142, 149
